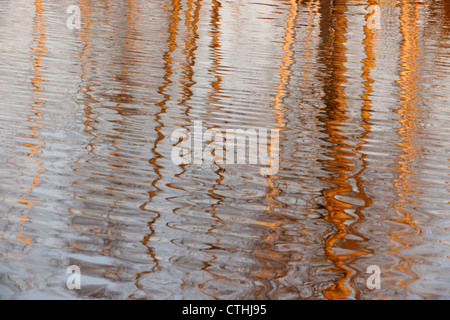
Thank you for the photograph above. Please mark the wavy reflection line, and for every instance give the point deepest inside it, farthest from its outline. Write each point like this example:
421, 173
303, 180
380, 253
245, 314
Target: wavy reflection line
187, 78
128, 62
408, 74
368, 64
447, 15
333, 32
162, 90
213, 96
39, 51
308, 42
446, 31
86, 91
335, 116
312, 26
108, 241
265, 253
192, 18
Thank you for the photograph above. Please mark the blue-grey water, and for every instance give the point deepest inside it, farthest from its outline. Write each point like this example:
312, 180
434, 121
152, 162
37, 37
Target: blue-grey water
360, 94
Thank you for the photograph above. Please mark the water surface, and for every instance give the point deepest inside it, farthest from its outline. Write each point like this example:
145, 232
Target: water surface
86, 176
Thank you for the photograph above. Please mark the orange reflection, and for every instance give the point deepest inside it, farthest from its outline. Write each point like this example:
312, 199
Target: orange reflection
267, 253
340, 165
337, 248
306, 71
409, 54
84, 34
447, 11
216, 89
39, 51
369, 63
163, 91
216, 50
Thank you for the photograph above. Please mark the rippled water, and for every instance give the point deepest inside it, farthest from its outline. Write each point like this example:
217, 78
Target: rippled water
86, 176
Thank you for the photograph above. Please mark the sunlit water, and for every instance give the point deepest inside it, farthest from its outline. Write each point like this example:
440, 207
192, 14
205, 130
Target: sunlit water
86, 178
